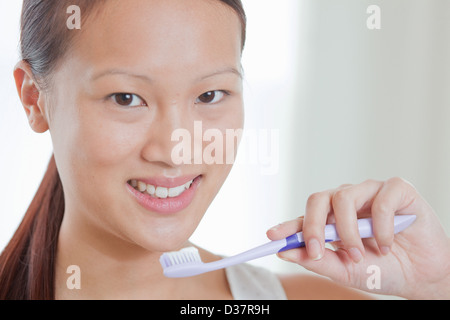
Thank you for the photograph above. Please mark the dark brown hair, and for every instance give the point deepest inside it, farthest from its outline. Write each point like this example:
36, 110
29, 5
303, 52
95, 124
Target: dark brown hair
27, 263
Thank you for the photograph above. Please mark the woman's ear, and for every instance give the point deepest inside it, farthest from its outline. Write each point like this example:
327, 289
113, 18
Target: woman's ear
31, 96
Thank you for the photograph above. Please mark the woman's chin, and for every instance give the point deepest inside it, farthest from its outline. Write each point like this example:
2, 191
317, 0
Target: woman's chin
165, 242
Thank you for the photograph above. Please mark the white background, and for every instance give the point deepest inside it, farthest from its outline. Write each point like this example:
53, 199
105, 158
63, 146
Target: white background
349, 104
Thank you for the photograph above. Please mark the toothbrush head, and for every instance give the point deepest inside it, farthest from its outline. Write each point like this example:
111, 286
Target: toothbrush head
181, 263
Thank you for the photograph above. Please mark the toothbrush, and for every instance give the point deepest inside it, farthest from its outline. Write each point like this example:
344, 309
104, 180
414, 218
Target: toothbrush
187, 261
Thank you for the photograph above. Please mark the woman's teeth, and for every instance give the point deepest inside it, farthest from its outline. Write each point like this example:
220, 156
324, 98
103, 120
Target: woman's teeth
160, 192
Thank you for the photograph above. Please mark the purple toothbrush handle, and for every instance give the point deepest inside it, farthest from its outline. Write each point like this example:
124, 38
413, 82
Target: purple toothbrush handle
401, 222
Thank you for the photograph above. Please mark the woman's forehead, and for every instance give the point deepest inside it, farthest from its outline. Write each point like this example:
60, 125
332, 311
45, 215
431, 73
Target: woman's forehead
162, 35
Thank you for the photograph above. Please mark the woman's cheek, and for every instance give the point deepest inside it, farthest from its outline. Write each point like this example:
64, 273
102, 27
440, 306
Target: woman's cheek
221, 139
104, 144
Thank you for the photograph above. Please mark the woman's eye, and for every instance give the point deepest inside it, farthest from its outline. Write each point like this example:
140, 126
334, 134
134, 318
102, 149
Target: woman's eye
128, 100
211, 97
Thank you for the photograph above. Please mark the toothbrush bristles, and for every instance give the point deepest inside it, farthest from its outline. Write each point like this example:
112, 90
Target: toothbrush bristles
186, 255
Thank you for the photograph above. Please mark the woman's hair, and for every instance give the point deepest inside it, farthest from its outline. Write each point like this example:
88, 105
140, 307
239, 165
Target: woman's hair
27, 264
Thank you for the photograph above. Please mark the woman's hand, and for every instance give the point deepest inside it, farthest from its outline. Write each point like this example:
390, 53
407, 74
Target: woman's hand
413, 264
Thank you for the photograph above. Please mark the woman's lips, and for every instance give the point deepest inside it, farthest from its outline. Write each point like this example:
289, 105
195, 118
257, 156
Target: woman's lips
165, 195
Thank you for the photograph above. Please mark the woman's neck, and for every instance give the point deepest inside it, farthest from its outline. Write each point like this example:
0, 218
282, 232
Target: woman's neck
92, 264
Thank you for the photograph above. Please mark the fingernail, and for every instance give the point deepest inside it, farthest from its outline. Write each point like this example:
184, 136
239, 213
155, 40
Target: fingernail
385, 250
355, 254
314, 249
275, 228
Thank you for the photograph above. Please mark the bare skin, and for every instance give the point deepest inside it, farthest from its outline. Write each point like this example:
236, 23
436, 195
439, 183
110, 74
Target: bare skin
165, 55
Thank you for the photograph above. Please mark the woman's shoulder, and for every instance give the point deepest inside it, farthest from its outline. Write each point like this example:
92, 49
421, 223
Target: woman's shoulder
307, 286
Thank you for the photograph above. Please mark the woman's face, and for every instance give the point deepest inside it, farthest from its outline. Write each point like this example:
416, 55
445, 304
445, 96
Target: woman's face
137, 72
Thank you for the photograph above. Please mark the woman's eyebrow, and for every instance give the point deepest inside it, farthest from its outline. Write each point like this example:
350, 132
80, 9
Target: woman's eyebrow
109, 72
226, 70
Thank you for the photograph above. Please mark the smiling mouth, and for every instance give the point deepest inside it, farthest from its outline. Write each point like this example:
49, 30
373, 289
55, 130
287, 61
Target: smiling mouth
160, 192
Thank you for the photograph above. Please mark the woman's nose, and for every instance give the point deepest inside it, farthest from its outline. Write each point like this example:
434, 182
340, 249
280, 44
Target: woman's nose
160, 143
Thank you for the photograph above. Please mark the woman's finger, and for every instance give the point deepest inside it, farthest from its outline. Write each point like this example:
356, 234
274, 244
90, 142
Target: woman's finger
318, 208
347, 202
333, 264
395, 195
285, 229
